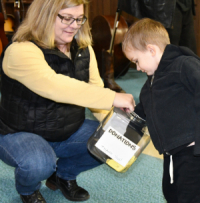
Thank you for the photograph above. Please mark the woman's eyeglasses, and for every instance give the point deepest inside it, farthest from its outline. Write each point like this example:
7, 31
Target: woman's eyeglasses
69, 20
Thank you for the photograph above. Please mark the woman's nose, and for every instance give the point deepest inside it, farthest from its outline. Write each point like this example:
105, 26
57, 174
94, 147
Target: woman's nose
74, 24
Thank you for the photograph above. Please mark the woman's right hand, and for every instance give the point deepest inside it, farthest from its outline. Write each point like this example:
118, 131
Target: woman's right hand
125, 101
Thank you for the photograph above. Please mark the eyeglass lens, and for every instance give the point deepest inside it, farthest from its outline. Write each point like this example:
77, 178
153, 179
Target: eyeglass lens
69, 20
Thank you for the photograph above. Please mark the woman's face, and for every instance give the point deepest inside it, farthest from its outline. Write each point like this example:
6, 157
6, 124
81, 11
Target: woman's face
64, 33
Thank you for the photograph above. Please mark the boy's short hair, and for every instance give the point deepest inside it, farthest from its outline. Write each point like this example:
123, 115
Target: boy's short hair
143, 32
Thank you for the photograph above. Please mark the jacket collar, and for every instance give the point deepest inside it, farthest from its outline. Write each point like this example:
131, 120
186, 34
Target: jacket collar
171, 53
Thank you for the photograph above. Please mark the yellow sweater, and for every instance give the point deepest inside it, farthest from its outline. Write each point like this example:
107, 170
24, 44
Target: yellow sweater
25, 63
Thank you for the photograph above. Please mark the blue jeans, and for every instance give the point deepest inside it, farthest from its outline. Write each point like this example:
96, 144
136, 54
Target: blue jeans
35, 159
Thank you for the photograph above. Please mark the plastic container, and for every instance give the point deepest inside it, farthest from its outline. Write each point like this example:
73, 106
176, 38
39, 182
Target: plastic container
119, 139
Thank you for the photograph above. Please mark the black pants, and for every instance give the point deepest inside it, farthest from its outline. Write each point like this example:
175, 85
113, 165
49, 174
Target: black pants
186, 170
182, 33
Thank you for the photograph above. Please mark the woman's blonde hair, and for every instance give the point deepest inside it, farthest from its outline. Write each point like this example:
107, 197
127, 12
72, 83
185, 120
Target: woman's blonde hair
143, 32
38, 25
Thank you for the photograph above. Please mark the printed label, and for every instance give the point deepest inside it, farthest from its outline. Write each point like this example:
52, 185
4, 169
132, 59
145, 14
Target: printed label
117, 146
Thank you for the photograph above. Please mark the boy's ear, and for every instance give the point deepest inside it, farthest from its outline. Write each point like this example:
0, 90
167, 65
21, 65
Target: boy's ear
152, 49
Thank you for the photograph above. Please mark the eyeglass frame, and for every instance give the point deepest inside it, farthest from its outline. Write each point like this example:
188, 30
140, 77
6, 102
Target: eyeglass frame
74, 19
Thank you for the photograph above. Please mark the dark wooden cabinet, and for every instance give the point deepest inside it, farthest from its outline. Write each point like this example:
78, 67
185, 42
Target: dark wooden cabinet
10, 5
15, 12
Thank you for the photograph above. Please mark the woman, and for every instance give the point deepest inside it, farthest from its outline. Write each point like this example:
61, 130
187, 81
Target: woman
49, 75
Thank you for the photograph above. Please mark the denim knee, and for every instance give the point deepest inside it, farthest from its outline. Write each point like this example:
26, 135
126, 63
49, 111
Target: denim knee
35, 167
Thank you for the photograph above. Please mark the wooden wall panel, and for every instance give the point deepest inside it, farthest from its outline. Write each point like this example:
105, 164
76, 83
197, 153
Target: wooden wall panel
102, 7
106, 7
197, 25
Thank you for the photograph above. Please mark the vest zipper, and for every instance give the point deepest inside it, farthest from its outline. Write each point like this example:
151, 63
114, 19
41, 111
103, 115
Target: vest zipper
77, 55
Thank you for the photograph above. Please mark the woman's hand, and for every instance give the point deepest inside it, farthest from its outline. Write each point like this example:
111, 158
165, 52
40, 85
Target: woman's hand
125, 101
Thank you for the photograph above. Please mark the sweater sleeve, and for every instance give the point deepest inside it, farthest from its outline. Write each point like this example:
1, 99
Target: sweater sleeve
25, 63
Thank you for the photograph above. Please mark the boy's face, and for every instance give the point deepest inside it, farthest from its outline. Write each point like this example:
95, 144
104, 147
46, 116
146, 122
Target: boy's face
146, 61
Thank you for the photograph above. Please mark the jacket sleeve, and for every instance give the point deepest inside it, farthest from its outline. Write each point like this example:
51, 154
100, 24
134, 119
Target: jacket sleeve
190, 77
25, 63
139, 109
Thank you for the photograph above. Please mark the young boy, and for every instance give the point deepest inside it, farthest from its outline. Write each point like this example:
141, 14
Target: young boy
170, 103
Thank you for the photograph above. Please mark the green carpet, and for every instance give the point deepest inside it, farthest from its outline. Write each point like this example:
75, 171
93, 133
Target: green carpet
140, 184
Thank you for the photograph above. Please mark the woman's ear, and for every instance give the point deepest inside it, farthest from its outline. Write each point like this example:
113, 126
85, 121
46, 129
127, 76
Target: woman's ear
152, 49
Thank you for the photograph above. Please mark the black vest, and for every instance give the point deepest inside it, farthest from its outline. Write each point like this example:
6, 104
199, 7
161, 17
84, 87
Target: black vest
23, 110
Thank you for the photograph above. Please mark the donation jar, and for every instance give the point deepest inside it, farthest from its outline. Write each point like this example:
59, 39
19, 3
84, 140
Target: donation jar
119, 139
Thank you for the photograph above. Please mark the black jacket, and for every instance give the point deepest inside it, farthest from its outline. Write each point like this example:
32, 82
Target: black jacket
23, 110
160, 10
171, 103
